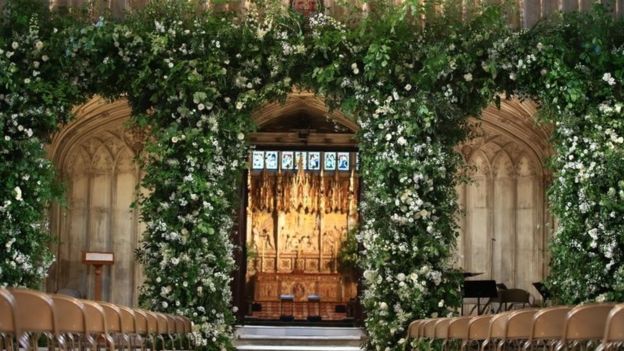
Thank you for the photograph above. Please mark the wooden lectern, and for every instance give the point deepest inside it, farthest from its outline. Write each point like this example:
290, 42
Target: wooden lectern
97, 260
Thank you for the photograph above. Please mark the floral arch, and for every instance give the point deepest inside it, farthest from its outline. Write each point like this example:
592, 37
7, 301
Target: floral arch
194, 80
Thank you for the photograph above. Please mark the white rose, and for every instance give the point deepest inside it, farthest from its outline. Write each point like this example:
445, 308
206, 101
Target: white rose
383, 306
401, 141
174, 139
39, 45
468, 77
408, 87
14, 45
240, 136
18, 193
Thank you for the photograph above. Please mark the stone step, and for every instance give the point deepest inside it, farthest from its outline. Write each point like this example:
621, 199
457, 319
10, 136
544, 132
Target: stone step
297, 348
280, 338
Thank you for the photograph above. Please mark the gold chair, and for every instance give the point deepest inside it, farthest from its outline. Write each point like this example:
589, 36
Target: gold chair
614, 330
441, 331
113, 323
152, 328
421, 327
71, 320
171, 329
163, 328
496, 331
97, 330
140, 322
478, 328
584, 323
180, 331
547, 327
188, 329
429, 329
441, 328
457, 331
35, 316
129, 328
8, 320
412, 329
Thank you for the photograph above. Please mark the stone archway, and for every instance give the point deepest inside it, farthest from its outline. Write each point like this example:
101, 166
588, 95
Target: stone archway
505, 225
301, 127
95, 159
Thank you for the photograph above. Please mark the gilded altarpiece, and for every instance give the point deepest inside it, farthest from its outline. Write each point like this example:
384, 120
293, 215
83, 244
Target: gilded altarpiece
297, 221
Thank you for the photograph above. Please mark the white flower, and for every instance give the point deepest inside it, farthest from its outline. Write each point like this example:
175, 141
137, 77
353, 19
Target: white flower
400, 277
355, 68
14, 45
401, 141
383, 306
512, 76
608, 78
408, 87
18, 193
174, 139
468, 77
239, 105
201, 107
44, 58
38, 45
240, 136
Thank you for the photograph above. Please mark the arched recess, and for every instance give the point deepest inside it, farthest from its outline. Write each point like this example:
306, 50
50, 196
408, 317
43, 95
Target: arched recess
505, 225
303, 118
94, 155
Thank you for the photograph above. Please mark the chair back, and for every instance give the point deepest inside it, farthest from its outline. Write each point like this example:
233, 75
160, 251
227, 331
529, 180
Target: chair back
71, 314
429, 328
140, 321
458, 328
478, 327
587, 322
614, 330
95, 317
162, 323
128, 321
497, 327
412, 330
171, 324
441, 328
180, 325
8, 313
519, 324
188, 325
421, 327
35, 311
152, 322
548, 323
113, 317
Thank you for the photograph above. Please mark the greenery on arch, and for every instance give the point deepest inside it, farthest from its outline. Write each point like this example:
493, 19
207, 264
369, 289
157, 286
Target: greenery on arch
193, 79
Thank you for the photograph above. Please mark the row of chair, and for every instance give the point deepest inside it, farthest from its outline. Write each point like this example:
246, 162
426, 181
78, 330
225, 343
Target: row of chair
67, 323
555, 328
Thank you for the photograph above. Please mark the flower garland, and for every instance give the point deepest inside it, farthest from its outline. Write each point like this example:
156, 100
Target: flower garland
193, 80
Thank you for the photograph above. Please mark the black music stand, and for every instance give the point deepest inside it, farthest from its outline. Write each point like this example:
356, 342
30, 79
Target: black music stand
479, 289
543, 290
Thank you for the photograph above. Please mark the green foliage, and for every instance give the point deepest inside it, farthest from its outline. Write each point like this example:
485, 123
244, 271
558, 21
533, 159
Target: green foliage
194, 77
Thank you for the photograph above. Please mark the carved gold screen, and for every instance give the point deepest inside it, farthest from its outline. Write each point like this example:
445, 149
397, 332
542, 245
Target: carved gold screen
300, 207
